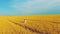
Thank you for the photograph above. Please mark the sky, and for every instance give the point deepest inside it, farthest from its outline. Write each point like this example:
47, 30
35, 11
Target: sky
29, 7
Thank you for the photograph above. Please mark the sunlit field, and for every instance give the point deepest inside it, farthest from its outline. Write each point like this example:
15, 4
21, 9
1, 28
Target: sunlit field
41, 24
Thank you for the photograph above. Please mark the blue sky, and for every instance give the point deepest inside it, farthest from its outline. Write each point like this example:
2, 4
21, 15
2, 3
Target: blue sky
29, 7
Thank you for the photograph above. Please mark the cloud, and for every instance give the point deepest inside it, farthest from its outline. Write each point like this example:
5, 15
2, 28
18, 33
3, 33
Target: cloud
35, 6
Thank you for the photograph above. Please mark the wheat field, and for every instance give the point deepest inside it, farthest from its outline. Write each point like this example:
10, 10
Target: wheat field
41, 24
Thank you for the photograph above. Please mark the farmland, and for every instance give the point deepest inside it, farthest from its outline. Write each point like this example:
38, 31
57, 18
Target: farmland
41, 24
